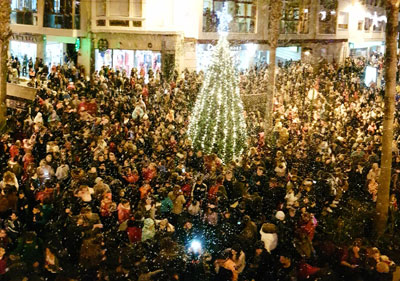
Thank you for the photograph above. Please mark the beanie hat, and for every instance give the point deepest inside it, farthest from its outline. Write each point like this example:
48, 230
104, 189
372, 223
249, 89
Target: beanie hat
280, 215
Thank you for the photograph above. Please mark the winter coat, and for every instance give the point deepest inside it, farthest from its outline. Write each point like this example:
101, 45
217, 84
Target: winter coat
166, 205
149, 229
123, 213
3, 265
134, 234
91, 253
178, 201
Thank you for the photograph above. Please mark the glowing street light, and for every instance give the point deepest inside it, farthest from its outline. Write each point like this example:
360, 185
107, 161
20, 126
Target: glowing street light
195, 246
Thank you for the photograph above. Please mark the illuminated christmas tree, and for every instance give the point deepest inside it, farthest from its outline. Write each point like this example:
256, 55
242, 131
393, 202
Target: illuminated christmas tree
217, 122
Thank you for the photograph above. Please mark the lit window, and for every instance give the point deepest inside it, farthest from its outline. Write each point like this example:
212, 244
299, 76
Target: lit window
243, 13
57, 6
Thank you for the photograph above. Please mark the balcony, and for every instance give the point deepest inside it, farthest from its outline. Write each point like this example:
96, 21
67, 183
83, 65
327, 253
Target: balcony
61, 21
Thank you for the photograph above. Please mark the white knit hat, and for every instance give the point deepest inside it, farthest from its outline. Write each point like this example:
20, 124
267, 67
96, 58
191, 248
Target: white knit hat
280, 215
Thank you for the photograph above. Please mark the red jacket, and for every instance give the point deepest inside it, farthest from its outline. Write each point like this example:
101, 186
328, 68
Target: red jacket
306, 270
123, 214
3, 265
309, 228
134, 234
14, 151
91, 108
82, 106
212, 192
43, 195
148, 173
131, 178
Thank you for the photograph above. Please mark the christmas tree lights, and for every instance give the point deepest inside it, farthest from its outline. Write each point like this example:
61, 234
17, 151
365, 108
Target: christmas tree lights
217, 122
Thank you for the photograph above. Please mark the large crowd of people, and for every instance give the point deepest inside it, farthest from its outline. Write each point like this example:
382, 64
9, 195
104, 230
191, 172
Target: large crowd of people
100, 182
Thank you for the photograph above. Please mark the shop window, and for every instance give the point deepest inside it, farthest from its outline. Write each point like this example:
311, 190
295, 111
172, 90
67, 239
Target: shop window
119, 8
343, 20
243, 14
62, 14
23, 12
23, 50
327, 16
125, 60
54, 53
295, 17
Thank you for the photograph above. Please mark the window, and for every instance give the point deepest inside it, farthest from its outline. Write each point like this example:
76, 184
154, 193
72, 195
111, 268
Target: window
295, 17
360, 25
101, 22
137, 8
243, 14
367, 24
375, 3
327, 16
119, 23
119, 8
23, 12
101, 7
30, 5
343, 20
57, 6
63, 14
378, 24
119, 13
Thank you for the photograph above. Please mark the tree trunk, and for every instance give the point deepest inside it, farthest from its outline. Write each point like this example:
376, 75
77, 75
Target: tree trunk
5, 34
275, 15
382, 205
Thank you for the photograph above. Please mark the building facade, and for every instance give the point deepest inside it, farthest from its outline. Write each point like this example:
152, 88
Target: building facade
332, 29
49, 29
180, 34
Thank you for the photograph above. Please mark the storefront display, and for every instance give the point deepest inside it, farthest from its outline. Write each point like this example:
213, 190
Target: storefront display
19, 49
54, 53
358, 49
145, 60
125, 60
103, 59
292, 53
